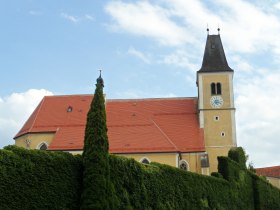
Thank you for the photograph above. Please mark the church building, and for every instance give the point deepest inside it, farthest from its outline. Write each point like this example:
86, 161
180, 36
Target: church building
187, 132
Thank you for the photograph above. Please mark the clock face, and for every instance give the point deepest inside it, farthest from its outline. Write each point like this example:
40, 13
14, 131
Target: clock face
216, 101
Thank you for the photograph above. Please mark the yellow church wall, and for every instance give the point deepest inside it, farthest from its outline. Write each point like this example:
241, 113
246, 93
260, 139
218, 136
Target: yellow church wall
35, 140
193, 160
274, 181
213, 153
164, 158
78, 152
224, 79
219, 127
218, 123
172, 159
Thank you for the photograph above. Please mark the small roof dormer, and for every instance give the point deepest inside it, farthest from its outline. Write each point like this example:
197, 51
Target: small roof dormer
214, 59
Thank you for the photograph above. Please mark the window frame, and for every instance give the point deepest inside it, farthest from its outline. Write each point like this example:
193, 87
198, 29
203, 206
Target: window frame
184, 162
42, 144
216, 88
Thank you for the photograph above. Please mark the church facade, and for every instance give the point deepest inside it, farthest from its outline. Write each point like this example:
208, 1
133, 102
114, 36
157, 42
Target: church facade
188, 133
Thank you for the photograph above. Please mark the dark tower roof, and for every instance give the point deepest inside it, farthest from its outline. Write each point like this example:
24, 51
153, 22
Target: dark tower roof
214, 59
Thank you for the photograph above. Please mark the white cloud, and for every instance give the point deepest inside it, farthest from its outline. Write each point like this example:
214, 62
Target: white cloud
241, 65
15, 110
35, 13
181, 59
139, 54
258, 116
136, 94
89, 17
246, 27
73, 19
277, 5
76, 19
144, 19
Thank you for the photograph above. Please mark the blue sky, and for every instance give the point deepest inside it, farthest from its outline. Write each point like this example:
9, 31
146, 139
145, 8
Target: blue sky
146, 49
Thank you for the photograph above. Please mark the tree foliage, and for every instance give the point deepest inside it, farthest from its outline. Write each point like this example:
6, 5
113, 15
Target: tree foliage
36, 179
96, 156
238, 155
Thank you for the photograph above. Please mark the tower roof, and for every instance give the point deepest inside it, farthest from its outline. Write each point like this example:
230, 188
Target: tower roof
214, 59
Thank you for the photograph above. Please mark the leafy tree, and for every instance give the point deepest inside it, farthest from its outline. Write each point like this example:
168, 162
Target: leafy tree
96, 156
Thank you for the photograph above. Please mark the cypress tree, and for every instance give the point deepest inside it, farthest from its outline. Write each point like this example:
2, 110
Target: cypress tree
95, 192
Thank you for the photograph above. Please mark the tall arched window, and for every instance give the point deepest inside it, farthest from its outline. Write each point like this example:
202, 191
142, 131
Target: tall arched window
213, 88
219, 88
216, 88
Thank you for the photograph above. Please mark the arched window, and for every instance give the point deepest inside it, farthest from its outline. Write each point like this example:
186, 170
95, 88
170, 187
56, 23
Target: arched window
213, 88
219, 88
43, 146
145, 160
184, 165
216, 88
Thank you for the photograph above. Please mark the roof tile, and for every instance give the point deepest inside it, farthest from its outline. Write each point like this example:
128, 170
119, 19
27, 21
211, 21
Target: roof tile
134, 126
273, 171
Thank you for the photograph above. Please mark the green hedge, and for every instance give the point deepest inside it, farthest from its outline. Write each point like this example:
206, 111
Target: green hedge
32, 179
240, 180
238, 155
266, 196
158, 186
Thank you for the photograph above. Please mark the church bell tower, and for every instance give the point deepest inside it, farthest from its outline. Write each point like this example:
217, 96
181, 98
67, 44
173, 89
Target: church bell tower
216, 101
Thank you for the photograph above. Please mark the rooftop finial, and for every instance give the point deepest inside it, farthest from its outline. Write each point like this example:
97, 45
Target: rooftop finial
218, 29
100, 80
207, 29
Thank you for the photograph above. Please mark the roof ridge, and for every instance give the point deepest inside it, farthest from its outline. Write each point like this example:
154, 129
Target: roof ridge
72, 95
269, 167
36, 111
155, 99
35, 118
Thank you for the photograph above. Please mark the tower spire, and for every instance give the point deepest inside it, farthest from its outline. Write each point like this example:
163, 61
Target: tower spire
214, 59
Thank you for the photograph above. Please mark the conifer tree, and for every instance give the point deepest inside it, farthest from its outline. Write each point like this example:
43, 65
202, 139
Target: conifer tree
96, 156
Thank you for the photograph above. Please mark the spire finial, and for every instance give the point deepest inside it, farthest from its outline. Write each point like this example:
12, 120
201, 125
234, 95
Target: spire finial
99, 79
207, 29
218, 29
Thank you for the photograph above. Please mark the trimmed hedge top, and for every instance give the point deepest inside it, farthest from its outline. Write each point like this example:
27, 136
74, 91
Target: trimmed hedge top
33, 179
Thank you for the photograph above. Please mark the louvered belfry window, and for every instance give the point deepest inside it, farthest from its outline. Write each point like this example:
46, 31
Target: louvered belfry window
216, 88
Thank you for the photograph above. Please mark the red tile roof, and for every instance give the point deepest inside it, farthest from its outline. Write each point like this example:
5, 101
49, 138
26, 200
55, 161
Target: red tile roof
134, 125
273, 171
